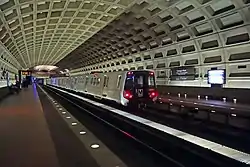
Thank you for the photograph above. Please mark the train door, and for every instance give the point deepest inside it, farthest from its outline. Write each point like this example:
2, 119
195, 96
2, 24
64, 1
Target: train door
140, 85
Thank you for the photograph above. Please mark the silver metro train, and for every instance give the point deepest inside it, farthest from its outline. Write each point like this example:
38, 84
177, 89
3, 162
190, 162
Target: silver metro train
129, 88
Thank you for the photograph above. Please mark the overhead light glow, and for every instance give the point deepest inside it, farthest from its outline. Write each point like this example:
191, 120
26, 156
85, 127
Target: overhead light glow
45, 67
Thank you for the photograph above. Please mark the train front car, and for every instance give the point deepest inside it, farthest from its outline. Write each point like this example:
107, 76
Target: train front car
140, 88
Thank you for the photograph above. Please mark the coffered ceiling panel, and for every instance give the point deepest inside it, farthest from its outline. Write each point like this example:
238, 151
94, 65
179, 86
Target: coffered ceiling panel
178, 27
44, 31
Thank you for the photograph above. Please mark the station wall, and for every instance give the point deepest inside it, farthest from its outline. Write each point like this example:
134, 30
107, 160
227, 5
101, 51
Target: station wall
7, 65
214, 35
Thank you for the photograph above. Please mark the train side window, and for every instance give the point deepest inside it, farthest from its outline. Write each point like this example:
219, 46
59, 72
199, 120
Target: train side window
107, 82
92, 79
95, 81
98, 81
151, 81
119, 81
129, 84
87, 79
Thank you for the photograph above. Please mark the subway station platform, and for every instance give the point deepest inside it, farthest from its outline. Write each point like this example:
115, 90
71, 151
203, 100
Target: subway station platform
34, 135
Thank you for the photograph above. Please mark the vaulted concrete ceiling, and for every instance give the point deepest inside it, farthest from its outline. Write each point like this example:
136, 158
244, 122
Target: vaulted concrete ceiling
165, 29
45, 31
83, 33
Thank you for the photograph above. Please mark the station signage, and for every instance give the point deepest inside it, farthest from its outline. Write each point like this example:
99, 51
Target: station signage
27, 73
182, 73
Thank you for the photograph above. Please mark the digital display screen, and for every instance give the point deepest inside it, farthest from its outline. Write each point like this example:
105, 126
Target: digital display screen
217, 76
26, 72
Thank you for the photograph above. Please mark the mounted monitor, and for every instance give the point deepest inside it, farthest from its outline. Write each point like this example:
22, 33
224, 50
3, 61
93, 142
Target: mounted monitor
217, 77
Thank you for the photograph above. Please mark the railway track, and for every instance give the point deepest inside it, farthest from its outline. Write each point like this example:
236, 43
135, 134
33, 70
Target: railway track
223, 134
162, 147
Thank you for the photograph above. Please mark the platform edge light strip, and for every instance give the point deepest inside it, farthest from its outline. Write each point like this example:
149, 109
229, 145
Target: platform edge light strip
79, 128
218, 148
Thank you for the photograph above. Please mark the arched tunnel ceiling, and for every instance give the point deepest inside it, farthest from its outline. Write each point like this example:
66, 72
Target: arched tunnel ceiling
183, 26
44, 31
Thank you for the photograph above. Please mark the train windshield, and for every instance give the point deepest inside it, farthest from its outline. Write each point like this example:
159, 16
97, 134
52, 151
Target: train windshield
151, 81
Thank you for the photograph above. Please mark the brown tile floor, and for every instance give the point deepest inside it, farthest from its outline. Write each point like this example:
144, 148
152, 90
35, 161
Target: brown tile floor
24, 136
